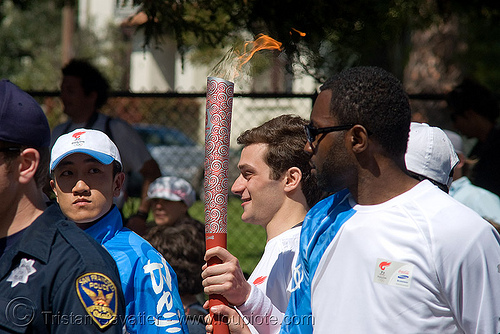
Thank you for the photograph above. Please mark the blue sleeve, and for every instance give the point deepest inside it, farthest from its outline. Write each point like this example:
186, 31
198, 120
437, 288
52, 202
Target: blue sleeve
486, 204
157, 306
320, 226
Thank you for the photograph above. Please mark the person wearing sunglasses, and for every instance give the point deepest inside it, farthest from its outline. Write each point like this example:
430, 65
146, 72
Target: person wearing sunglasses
386, 252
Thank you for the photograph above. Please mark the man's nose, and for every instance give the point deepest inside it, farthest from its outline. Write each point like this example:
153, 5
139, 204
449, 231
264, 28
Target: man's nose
81, 187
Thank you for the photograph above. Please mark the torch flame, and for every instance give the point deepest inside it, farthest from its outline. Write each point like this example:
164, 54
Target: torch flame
263, 42
301, 34
230, 65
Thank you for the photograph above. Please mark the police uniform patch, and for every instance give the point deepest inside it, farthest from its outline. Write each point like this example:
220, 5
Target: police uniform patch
98, 295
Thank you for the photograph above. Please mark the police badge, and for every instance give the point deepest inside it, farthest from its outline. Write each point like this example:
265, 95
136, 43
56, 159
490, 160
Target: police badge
22, 273
97, 293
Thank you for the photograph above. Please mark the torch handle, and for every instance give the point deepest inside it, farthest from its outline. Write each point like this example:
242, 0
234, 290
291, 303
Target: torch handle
212, 240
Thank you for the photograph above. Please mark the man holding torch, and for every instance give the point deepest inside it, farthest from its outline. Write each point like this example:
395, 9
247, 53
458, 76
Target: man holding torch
277, 190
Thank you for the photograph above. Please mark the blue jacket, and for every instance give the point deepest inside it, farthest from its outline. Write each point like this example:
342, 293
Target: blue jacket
153, 304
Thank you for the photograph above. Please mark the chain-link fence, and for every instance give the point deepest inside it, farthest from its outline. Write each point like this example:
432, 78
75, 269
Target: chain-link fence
172, 126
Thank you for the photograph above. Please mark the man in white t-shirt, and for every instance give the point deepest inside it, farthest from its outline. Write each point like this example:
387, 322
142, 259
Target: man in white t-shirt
438, 155
385, 253
277, 189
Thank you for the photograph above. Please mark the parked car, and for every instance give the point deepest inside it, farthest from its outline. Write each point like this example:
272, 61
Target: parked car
176, 153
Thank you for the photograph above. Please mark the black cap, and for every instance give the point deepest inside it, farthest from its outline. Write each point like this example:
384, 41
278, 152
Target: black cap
22, 121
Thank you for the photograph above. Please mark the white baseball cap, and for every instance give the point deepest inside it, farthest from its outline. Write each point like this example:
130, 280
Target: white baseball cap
172, 188
92, 142
430, 153
456, 140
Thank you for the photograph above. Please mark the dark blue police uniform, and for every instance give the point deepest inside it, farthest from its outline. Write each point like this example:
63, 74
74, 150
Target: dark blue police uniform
57, 279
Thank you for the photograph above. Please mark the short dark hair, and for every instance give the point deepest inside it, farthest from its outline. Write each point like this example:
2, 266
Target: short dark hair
470, 95
42, 172
374, 98
183, 246
285, 139
91, 79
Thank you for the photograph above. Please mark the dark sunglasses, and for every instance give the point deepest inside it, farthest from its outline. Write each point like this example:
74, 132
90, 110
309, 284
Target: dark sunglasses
312, 132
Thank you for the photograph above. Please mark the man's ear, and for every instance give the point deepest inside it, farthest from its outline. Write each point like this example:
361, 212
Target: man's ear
53, 186
29, 159
118, 183
462, 159
358, 138
293, 176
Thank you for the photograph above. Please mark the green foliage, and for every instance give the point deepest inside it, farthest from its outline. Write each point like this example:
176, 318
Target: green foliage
30, 45
480, 57
210, 21
108, 53
338, 34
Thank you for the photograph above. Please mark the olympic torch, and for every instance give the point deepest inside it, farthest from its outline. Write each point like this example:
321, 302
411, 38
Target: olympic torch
217, 132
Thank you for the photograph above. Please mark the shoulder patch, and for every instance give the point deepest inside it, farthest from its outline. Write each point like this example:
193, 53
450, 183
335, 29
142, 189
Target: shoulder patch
97, 293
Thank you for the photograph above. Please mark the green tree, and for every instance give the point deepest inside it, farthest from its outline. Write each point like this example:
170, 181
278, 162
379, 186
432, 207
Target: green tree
480, 56
322, 37
338, 34
30, 46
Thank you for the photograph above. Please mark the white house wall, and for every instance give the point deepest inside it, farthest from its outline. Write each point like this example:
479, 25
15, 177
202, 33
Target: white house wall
153, 70
96, 14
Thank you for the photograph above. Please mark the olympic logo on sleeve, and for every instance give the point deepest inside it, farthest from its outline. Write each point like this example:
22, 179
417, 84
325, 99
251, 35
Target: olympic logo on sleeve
297, 277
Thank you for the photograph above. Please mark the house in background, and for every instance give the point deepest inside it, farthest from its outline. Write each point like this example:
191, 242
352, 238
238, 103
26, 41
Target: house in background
160, 70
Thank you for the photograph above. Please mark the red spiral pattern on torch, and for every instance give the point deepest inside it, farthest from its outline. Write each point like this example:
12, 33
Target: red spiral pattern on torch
217, 132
